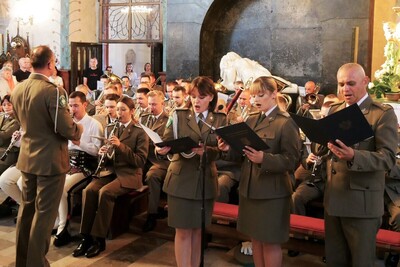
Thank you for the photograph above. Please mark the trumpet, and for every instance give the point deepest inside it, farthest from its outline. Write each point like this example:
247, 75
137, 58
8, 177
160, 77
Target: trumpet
108, 147
15, 137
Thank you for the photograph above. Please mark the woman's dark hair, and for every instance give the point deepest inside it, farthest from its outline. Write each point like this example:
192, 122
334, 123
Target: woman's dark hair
6, 97
205, 86
128, 101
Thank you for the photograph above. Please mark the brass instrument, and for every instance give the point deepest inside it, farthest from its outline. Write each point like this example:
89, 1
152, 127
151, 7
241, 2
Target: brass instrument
284, 101
109, 146
114, 78
14, 139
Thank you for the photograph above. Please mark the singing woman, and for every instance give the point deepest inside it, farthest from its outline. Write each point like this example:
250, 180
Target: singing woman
183, 182
265, 187
126, 152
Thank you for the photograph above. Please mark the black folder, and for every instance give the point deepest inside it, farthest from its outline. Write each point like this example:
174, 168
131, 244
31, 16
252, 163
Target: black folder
240, 135
348, 125
183, 144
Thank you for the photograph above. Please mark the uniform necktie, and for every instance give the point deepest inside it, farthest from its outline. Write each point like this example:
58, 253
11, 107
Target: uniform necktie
261, 118
200, 120
152, 120
121, 130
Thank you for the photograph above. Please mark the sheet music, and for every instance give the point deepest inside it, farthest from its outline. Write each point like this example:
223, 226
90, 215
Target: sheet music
152, 134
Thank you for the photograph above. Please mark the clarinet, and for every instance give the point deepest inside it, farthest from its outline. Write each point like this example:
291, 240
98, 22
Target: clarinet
108, 146
14, 139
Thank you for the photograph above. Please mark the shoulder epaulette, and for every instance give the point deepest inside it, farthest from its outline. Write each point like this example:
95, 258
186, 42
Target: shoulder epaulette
382, 106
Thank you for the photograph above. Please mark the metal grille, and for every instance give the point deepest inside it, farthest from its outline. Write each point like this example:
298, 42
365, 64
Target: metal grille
131, 21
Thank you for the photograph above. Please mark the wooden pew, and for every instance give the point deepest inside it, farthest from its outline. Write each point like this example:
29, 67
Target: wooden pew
305, 230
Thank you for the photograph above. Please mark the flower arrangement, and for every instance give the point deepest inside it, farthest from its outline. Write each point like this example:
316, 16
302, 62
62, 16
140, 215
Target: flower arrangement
388, 76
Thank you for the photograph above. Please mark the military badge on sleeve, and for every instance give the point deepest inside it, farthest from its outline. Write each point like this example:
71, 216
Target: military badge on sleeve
62, 101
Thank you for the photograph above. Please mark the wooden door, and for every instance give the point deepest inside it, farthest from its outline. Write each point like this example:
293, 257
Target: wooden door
81, 53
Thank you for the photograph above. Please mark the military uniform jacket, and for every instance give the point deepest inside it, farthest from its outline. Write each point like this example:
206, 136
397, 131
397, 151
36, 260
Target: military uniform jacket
41, 109
355, 189
130, 156
392, 182
159, 128
271, 178
183, 175
7, 127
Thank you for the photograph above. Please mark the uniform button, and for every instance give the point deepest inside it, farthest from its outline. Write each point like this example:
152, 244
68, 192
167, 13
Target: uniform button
333, 172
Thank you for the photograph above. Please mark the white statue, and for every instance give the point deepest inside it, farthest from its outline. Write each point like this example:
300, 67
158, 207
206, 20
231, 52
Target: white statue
235, 68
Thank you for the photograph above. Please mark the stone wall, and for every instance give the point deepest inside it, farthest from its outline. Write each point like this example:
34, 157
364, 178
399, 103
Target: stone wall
297, 41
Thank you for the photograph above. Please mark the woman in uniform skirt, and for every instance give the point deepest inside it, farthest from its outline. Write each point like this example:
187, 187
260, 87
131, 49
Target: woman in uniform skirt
265, 186
183, 182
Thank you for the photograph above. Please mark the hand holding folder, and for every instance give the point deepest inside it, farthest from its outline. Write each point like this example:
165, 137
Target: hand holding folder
177, 145
348, 125
238, 136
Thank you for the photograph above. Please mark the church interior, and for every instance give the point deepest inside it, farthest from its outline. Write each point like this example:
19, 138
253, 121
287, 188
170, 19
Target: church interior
297, 40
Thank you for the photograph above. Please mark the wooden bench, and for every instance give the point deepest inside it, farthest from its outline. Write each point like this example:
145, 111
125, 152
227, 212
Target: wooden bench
308, 228
127, 206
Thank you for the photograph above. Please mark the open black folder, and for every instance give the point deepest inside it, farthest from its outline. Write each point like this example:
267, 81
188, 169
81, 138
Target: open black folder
348, 125
240, 135
183, 144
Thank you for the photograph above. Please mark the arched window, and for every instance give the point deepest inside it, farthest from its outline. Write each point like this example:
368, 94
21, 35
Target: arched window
131, 21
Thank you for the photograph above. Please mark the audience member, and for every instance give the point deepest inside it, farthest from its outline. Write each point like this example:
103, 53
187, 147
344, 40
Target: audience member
23, 72
7, 82
92, 74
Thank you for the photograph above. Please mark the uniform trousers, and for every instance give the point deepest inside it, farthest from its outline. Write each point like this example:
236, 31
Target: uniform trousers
11, 183
37, 213
305, 193
71, 181
154, 179
350, 241
98, 201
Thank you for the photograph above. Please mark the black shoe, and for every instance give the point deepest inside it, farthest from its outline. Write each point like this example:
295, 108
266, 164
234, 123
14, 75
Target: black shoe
99, 245
62, 238
5, 210
150, 223
392, 260
83, 247
293, 253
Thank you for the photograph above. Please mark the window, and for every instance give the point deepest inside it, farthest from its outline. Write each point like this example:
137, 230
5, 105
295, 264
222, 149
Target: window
131, 21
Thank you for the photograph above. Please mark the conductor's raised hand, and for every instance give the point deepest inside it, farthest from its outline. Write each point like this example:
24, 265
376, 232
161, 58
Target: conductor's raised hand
341, 150
253, 155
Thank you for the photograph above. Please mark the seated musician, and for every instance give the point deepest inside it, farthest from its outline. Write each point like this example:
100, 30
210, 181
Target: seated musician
8, 125
312, 100
241, 111
82, 158
90, 108
392, 205
125, 154
141, 103
156, 167
109, 90
110, 108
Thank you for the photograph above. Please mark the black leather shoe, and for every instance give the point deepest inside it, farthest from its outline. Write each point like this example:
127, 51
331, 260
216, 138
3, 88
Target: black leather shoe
293, 253
99, 245
392, 260
83, 247
150, 223
62, 238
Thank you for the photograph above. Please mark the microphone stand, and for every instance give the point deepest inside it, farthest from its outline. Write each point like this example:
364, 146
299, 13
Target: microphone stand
203, 162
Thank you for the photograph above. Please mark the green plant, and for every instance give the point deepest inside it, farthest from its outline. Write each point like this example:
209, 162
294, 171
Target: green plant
388, 76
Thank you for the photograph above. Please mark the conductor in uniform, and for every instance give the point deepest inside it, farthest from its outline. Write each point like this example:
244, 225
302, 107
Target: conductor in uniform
356, 176
41, 108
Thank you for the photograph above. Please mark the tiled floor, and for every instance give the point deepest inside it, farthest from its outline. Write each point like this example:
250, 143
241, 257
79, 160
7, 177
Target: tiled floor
131, 249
